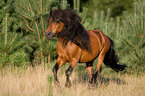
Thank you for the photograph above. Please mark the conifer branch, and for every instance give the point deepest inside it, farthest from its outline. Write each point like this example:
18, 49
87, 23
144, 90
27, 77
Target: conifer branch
84, 14
30, 7
47, 6
24, 7
16, 54
37, 9
129, 42
38, 32
118, 22
28, 25
131, 24
108, 14
13, 40
42, 26
24, 15
41, 5
6, 31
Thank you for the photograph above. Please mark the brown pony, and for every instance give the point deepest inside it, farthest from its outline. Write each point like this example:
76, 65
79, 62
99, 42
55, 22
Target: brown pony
77, 45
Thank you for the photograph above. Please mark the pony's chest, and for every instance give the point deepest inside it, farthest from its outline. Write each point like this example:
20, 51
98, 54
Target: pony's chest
69, 51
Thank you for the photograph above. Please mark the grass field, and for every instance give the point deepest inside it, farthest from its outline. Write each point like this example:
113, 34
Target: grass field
37, 81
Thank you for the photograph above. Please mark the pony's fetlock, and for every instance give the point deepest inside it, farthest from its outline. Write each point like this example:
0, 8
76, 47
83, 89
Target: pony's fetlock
57, 84
68, 84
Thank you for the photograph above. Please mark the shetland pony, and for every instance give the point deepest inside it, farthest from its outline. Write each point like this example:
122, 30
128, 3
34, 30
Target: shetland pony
76, 45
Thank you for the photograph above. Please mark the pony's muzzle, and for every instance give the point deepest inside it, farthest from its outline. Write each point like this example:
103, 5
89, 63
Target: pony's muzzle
49, 35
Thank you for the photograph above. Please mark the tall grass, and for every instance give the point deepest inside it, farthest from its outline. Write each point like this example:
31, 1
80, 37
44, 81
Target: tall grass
16, 81
37, 81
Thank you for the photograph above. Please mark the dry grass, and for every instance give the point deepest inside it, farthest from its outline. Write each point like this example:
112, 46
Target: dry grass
34, 82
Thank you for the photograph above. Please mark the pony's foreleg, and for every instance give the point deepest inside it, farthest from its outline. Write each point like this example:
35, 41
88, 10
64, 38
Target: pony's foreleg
55, 69
68, 73
59, 63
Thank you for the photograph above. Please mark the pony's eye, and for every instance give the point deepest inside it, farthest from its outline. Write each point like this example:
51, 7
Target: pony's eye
57, 21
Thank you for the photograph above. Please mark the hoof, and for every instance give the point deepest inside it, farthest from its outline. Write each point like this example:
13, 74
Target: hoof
68, 84
91, 86
57, 84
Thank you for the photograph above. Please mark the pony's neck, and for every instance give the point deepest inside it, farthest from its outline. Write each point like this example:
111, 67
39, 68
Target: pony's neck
77, 35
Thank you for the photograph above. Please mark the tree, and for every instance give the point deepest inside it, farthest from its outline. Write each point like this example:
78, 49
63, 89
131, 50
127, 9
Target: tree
11, 46
33, 16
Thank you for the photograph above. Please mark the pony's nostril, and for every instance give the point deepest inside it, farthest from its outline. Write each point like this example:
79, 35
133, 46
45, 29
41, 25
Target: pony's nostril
47, 33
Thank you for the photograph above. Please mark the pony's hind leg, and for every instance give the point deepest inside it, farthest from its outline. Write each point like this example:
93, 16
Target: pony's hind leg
98, 69
89, 66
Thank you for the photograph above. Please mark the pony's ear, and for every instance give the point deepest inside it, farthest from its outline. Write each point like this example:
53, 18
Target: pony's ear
51, 11
60, 10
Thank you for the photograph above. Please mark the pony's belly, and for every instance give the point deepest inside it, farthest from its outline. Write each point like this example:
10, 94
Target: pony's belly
96, 43
87, 57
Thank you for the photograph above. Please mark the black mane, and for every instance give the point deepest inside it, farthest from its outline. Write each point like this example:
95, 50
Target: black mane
72, 31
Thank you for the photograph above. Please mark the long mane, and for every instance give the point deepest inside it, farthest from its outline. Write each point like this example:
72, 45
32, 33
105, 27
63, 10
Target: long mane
72, 31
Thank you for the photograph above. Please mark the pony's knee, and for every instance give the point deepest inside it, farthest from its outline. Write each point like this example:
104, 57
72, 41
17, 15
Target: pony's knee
55, 68
69, 71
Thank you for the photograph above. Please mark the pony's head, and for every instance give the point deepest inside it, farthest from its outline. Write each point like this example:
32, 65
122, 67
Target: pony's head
55, 24
66, 24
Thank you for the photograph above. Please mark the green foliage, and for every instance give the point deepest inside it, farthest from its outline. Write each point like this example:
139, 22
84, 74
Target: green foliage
23, 24
128, 34
133, 37
33, 15
116, 6
11, 45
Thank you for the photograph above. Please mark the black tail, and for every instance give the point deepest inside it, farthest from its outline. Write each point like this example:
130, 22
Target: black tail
111, 59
